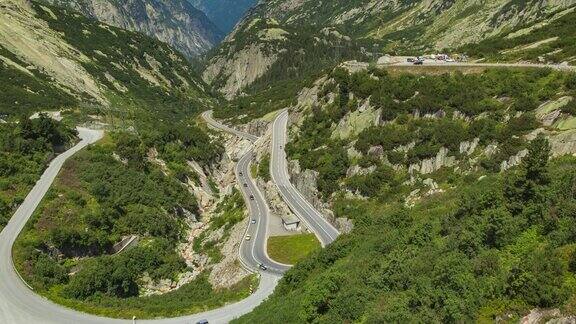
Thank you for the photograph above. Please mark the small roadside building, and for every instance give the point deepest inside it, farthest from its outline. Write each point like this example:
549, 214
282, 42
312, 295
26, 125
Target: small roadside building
291, 222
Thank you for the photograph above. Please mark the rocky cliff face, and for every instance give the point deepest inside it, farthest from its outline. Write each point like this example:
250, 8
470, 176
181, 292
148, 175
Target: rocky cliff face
175, 22
340, 29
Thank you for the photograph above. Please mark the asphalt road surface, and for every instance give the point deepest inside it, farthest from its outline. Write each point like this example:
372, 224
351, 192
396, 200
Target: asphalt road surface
20, 305
325, 232
207, 115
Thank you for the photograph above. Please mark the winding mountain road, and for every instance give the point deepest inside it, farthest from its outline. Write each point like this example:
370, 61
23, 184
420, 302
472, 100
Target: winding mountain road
20, 305
252, 252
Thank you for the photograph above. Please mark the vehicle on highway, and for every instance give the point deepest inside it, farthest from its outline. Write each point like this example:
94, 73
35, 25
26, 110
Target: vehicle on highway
419, 62
253, 221
263, 267
251, 197
248, 237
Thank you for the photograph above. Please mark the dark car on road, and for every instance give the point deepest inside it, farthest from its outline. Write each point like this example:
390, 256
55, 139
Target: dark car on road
419, 62
202, 322
263, 267
251, 197
245, 185
410, 60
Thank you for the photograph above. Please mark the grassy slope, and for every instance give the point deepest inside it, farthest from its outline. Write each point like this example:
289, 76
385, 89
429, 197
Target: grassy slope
293, 248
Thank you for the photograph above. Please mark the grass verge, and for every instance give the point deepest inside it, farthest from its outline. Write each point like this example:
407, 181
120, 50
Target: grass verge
291, 249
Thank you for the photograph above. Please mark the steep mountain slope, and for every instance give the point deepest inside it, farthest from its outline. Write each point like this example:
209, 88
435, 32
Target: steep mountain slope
52, 58
275, 32
224, 13
175, 22
551, 40
458, 214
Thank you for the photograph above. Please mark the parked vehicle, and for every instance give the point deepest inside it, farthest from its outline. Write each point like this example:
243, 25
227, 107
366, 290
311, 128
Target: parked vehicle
410, 60
253, 221
202, 322
248, 237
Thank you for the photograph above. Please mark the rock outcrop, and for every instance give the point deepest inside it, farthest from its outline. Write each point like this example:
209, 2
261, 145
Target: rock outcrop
239, 70
433, 164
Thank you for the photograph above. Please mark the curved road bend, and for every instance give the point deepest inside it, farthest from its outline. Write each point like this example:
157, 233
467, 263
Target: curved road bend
252, 252
325, 232
207, 115
20, 305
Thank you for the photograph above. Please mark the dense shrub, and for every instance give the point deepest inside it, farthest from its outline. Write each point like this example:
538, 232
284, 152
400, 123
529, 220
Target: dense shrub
455, 258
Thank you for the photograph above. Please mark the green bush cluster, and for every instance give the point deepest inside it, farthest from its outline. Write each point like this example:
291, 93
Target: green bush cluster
117, 276
264, 168
26, 148
557, 50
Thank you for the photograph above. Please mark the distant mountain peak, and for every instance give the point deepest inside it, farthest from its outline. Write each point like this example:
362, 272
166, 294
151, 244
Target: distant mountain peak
224, 13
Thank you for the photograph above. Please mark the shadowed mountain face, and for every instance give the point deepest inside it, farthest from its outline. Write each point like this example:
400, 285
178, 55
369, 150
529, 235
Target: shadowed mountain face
224, 13
175, 22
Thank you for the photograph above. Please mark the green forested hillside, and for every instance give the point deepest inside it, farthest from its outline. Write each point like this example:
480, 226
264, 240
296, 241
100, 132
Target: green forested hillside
25, 92
142, 75
104, 194
127, 75
25, 150
485, 250
466, 241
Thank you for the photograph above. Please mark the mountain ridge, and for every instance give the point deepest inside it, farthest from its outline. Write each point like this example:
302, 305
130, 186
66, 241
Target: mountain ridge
272, 31
175, 22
